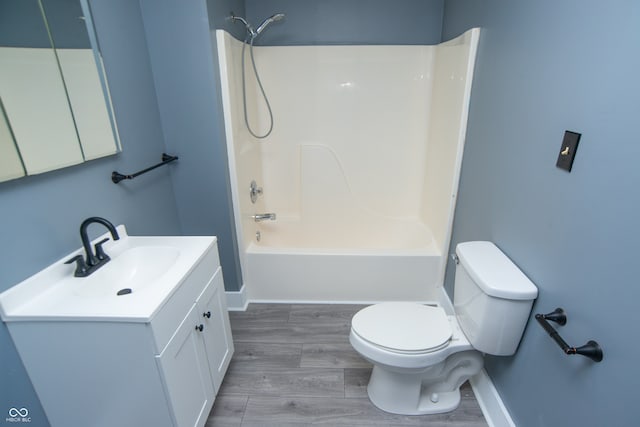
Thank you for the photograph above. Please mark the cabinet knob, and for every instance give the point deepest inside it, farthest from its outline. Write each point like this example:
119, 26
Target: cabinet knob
207, 315
200, 327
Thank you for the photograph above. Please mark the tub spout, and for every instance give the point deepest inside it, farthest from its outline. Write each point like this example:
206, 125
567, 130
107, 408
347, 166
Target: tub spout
264, 217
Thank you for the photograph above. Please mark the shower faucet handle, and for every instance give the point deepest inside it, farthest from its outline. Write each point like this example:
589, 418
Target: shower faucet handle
254, 191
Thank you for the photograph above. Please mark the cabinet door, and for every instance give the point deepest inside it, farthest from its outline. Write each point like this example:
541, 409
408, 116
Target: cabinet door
218, 342
186, 373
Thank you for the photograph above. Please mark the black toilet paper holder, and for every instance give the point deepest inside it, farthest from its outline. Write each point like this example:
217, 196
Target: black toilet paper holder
591, 349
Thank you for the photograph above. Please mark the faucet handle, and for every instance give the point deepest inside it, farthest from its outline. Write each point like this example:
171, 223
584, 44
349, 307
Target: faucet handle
81, 266
100, 254
254, 191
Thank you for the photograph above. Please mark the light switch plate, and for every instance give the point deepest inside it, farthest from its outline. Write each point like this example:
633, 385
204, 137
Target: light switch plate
568, 150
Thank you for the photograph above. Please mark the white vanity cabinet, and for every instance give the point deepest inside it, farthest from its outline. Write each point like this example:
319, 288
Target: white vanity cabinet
160, 368
211, 307
186, 373
197, 356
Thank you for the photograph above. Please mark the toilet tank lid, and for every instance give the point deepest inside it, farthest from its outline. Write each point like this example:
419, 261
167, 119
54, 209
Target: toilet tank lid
494, 272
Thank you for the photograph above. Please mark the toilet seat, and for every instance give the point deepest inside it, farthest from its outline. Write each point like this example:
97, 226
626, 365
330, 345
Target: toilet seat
404, 328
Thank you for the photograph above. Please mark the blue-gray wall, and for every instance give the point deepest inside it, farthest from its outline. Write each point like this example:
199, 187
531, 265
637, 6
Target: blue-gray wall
68, 30
311, 22
219, 13
544, 67
187, 82
40, 215
22, 25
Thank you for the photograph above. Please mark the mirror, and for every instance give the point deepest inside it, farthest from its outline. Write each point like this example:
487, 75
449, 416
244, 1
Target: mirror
53, 89
11, 166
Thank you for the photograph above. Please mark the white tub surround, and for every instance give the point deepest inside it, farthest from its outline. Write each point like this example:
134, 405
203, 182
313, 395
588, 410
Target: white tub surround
361, 168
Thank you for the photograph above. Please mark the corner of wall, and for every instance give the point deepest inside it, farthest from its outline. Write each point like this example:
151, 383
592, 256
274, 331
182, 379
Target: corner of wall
237, 300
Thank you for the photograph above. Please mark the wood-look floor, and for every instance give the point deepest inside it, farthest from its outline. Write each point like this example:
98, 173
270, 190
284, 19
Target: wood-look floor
293, 366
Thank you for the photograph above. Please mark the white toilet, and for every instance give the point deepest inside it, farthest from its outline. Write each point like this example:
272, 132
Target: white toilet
421, 356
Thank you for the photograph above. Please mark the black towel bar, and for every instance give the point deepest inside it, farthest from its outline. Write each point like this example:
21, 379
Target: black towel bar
591, 349
117, 177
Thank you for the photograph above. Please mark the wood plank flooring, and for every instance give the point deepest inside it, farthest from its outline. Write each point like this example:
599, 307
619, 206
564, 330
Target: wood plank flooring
293, 366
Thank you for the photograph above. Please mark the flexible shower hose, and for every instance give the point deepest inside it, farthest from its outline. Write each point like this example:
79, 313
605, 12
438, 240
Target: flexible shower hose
244, 90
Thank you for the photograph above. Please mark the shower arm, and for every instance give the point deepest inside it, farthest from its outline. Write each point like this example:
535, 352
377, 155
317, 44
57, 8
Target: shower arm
248, 26
255, 33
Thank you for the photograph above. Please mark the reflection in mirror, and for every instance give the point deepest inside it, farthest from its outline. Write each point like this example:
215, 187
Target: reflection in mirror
10, 162
71, 28
33, 91
53, 85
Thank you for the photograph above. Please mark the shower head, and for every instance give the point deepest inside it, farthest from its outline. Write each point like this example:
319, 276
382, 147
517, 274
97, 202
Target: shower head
266, 22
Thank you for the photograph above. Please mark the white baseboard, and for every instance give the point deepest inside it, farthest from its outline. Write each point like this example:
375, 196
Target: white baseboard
237, 300
490, 401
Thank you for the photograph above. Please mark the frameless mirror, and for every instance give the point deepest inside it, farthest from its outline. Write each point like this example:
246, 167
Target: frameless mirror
52, 86
11, 166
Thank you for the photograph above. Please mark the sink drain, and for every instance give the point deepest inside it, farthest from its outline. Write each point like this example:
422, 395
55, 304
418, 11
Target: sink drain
124, 291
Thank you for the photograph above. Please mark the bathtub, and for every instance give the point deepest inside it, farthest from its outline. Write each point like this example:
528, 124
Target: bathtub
395, 261
361, 168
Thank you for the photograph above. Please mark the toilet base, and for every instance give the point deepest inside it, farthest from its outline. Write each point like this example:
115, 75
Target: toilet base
434, 390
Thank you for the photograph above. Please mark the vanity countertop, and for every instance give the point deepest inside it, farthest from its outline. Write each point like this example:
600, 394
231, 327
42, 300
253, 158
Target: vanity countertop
151, 267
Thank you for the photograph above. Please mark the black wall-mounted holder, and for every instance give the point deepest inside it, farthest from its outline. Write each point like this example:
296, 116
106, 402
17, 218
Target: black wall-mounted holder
117, 177
568, 150
591, 349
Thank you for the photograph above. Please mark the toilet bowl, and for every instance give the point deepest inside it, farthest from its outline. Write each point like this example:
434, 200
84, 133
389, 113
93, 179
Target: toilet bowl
422, 356
413, 372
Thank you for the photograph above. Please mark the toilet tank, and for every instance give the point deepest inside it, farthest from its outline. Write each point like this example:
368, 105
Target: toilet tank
492, 298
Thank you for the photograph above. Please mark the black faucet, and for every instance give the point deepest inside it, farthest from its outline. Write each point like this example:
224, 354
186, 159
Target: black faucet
100, 258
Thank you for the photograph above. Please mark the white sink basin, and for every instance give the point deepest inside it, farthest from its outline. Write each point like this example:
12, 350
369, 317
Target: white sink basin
129, 272
142, 274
